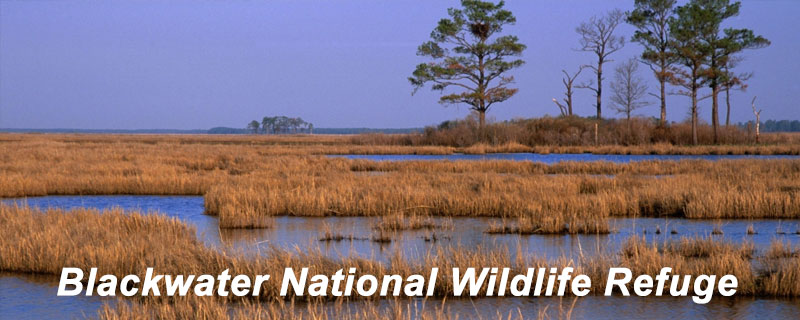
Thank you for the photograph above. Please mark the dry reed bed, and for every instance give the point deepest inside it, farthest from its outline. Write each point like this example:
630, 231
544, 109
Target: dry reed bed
562, 198
245, 181
788, 144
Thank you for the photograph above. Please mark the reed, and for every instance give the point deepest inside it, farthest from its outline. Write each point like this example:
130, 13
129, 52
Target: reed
248, 179
575, 218
542, 195
780, 249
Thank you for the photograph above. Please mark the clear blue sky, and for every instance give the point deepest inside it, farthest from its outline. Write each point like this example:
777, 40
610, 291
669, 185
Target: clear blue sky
199, 64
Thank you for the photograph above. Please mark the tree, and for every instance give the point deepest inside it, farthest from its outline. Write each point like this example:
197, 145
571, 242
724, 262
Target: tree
651, 19
597, 36
733, 82
468, 54
568, 80
628, 89
268, 124
722, 47
253, 125
758, 118
687, 27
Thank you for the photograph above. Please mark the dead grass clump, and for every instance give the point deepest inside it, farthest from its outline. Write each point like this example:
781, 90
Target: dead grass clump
780, 249
580, 218
330, 235
692, 256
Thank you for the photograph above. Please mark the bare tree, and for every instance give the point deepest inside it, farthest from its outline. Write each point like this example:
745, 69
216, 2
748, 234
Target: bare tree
568, 80
758, 118
628, 89
597, 36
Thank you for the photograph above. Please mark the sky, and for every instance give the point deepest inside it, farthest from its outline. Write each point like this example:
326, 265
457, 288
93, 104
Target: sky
201, 64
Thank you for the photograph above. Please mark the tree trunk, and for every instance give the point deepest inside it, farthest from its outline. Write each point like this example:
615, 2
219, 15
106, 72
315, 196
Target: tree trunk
599, 89
630, 127
663, 121
569, 104
481, 120
715, 112
758, 127
694, 115
728, 102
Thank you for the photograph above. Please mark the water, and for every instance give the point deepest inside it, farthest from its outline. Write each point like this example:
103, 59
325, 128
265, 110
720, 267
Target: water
33, 297
553, 158
25, 296
305, 232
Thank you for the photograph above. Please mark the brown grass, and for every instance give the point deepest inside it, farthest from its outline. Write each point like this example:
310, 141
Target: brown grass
572, 131
247, 179
535, 194
573, 218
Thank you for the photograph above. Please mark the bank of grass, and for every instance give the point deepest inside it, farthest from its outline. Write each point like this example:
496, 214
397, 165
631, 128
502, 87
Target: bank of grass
248, 179
567, 197
573, 131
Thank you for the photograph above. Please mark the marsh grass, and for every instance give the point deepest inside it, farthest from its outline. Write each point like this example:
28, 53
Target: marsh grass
247, 179
557, 194
330, 235
537, 221
780, 249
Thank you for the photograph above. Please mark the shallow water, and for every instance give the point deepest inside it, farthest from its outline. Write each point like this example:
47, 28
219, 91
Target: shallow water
306, 232
24, 296
558, 157
29, 296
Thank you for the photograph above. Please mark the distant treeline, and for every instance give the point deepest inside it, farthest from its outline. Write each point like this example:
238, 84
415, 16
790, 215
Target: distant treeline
280, 124
775, 125
227, 130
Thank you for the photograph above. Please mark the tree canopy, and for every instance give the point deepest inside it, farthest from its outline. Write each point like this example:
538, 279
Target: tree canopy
469, 54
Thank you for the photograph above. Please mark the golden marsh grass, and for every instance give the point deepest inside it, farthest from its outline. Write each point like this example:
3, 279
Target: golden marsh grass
245, 180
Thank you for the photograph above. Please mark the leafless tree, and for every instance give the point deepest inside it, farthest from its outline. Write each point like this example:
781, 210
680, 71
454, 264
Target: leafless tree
629, 89
597, 36
758, 118
568, 80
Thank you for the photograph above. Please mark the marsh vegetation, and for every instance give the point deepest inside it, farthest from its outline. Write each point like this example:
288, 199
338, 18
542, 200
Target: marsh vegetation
257, 182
